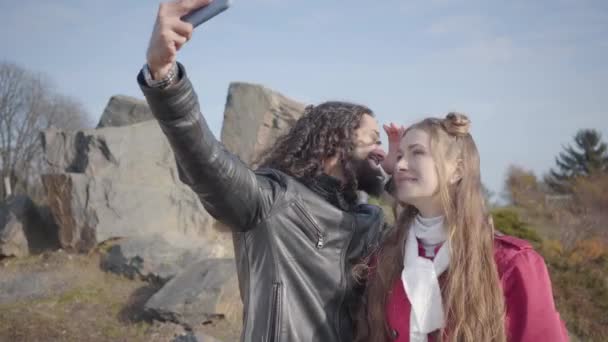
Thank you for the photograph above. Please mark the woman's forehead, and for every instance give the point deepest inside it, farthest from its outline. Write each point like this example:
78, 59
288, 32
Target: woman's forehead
415, 136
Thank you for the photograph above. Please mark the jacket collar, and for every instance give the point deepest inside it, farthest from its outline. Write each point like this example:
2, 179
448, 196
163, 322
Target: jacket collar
331, 189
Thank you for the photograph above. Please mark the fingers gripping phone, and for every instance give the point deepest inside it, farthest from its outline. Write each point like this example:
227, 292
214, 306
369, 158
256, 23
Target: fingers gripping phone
207, 12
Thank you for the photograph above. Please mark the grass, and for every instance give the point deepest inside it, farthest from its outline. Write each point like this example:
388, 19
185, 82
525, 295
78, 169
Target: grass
92, 313
96, 307
580, 286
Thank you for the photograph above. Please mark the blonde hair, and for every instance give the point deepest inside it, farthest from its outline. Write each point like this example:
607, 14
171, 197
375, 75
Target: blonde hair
473, 298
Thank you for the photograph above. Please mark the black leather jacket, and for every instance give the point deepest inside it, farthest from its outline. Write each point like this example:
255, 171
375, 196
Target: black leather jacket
294, 250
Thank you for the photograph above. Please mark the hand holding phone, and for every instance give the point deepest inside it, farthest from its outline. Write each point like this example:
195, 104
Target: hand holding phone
171, 30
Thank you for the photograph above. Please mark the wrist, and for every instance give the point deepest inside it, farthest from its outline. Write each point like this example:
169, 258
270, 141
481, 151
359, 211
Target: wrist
160, 77
158, 73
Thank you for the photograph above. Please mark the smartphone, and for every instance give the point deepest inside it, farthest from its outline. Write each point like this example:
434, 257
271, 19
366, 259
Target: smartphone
207, 12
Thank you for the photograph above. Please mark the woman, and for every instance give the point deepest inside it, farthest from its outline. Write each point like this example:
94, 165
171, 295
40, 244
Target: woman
443, 273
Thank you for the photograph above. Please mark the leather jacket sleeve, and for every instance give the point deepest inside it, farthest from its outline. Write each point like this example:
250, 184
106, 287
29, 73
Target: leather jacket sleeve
227, 188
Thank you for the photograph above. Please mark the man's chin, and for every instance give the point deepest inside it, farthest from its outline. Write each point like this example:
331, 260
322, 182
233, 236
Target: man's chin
370, 177
372, 186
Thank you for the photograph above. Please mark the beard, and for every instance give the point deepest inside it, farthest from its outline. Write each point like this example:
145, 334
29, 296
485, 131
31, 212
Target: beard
370, 176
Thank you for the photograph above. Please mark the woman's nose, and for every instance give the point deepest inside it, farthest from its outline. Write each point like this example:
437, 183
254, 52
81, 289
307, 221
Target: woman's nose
401, 165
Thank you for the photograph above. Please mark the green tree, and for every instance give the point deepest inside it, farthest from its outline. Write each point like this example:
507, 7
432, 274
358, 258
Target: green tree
589, 155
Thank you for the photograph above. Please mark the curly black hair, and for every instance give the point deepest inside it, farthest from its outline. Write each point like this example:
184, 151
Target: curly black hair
324, 131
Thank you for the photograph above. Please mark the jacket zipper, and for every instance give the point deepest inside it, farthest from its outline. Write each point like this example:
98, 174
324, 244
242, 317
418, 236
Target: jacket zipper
344, 279
319, 236
274, 335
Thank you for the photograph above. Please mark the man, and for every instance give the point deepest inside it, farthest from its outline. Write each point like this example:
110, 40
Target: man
297, 227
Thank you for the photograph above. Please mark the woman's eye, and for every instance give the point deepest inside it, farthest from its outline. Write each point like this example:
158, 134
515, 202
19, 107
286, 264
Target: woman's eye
418, 152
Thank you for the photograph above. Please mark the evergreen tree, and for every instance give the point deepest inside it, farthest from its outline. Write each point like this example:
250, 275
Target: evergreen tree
589, 155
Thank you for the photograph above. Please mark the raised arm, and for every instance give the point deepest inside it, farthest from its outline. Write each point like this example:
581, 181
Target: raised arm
394, 133
228, 189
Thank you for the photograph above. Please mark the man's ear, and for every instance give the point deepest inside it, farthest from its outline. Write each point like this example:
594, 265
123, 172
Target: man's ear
331, 166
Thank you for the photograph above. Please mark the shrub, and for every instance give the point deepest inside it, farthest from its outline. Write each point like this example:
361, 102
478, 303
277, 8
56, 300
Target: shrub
507, 221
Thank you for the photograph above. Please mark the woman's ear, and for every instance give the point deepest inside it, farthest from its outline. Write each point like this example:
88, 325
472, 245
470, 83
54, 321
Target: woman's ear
457, 172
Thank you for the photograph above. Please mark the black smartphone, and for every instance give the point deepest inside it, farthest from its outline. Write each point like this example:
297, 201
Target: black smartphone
207, 12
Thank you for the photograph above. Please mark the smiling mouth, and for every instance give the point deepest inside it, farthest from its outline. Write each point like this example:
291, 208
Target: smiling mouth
406, 179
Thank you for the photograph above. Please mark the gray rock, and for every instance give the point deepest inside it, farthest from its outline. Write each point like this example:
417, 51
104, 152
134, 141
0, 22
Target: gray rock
153, 257
22, 229
204, 292
68, 198
12, 237
122, 182
254, 117
124, 110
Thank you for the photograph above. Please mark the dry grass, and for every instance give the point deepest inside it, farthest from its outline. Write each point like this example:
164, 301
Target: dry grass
92, 305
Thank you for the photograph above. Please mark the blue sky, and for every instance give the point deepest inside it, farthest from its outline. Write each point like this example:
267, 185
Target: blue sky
528, 73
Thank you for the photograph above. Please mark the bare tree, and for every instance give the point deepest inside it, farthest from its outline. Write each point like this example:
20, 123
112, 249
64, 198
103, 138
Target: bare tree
28, 105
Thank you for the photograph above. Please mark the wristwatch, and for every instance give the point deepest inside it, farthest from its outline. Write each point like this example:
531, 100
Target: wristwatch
163, 82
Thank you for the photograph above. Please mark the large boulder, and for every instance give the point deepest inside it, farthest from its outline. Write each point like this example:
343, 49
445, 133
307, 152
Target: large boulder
119, 182
254, 117
155, 258
204, 292
124, 110
122, 183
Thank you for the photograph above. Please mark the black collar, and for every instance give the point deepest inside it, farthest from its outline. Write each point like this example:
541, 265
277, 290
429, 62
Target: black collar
331, 189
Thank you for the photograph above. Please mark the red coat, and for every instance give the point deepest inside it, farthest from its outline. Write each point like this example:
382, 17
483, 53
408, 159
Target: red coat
531, 315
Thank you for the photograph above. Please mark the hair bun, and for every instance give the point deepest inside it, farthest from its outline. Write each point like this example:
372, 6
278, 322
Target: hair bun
457, 124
